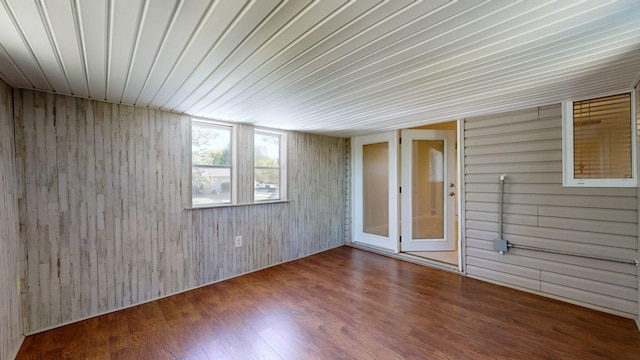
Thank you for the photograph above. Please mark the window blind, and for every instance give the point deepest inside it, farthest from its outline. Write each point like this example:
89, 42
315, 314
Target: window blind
602, 138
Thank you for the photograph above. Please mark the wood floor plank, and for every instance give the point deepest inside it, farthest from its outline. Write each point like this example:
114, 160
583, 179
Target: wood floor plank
345, 303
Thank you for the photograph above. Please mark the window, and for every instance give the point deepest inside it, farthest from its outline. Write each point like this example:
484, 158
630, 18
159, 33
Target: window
210, 163
599, 142
217, 179
268, 160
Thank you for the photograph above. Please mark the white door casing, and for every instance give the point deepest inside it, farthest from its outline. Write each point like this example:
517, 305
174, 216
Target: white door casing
428, 227
369, 153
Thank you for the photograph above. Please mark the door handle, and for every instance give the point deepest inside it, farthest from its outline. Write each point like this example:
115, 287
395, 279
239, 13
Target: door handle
452, 193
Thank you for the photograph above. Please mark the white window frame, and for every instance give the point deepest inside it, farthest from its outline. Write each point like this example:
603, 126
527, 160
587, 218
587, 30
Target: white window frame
234, 167
282, 187
568, 178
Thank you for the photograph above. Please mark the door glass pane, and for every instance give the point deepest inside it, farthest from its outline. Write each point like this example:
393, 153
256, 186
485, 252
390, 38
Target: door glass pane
375, 178
428, 189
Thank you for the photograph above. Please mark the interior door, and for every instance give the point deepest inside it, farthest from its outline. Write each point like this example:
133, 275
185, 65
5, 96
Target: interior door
428, 190
375, 190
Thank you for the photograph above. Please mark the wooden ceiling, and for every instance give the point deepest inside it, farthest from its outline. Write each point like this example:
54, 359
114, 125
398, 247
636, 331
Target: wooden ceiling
338, 67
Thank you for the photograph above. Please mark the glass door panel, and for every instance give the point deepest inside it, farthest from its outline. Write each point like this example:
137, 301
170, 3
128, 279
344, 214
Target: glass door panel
375, 168
375, 190
427, 189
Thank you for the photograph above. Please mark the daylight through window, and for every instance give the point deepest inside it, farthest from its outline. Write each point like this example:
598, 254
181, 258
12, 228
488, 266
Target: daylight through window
267, 165
210, 163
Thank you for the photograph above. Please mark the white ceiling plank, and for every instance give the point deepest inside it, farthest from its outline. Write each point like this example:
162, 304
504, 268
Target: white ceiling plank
284, 41
345, 34
363, 81
239, 43
124, 24
154, 28
445, 47
206, 39
341, 18
398, 110
528, 59
332, 77
30, 24
61, 21
92, 21
394, 111
10, 73
18, 52
455, 96
339, 67
189, 15
402, 26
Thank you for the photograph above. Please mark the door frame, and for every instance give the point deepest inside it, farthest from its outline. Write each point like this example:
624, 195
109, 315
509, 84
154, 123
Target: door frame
462, 266
448, 137
462, 249
392, 242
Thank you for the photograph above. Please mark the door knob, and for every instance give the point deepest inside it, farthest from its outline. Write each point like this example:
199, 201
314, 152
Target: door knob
451, 193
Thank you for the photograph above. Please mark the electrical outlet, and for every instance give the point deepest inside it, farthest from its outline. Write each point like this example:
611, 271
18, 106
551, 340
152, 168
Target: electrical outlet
238, 241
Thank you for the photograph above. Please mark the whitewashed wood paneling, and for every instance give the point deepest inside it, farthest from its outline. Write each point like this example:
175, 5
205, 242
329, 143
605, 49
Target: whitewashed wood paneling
10, 312
103, 217
347, 202
245, 170
538, 211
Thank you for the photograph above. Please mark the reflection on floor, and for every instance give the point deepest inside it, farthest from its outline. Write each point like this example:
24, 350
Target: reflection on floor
449, 257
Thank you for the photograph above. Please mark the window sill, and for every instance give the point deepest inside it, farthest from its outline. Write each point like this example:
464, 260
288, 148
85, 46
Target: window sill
217, 206
608, 183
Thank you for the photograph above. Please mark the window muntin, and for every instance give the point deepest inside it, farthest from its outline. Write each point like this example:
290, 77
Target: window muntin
267, 174
211, 164
599, 143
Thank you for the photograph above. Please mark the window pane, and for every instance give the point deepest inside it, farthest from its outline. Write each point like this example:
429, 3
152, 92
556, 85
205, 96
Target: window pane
428, 189
266, 150
210, 144
266, 157
267, 187
210, 164
602, 138
375, 178
210, 185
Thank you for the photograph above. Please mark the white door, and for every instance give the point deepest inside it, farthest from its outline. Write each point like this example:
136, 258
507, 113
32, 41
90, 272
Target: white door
375, 190
428, 190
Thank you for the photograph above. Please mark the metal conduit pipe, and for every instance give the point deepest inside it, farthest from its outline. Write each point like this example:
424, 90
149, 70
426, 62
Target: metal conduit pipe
502, 246
596, 257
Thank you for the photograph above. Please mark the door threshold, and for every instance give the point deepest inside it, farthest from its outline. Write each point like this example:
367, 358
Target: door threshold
408, 258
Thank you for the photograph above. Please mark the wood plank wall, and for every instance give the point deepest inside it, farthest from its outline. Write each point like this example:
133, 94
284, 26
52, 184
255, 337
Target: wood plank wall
10, 318
348, 221
102, 209
527, 146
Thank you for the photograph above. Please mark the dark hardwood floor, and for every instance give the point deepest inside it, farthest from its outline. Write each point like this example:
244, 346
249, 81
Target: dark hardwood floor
345, 304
